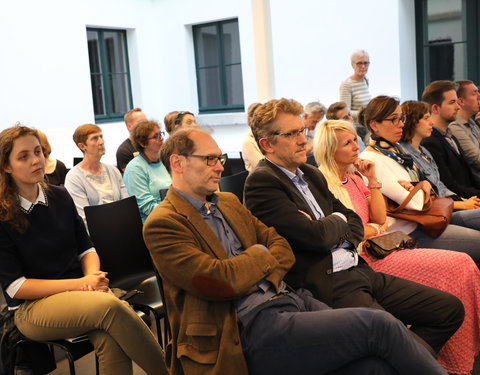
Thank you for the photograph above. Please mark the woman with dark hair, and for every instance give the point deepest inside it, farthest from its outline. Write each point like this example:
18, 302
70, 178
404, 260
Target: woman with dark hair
145, 175
176, 120
336, 152
396, 171
49, 270
55, 170
418, 125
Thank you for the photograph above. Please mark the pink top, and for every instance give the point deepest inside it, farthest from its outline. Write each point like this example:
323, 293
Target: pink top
358, 193
450, 271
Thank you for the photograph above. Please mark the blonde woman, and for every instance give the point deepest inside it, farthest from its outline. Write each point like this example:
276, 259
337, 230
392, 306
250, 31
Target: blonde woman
336, 152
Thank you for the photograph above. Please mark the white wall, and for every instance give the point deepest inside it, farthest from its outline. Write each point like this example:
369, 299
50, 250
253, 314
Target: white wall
313, 41
46, 77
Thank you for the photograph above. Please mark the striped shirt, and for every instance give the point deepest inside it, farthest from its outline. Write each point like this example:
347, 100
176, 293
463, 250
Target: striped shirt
355, 95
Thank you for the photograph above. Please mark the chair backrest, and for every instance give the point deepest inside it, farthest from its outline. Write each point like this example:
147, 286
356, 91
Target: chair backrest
234, 184
116, 231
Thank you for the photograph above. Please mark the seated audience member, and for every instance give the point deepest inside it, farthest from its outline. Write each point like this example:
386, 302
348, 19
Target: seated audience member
176, 120
251, 155
336, 151
314, 113
418, 126
145, 175
126, 151
454, 170
169, 121
92, 182
50, 272
294, 198
228, 307
396, 170
339, 111
55, 170
464, 128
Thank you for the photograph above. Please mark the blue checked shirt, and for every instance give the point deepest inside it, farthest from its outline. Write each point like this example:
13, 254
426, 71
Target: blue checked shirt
343, 257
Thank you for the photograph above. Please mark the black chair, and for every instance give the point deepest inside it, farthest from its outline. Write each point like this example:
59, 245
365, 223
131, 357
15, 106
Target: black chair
167, 332
116, 231
73, 349
234, 184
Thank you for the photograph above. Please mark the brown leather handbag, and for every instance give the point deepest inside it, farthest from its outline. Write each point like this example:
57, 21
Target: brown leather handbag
434, 216
380, 246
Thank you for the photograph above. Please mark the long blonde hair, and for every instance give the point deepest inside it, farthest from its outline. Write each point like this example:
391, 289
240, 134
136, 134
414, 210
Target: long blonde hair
324, 148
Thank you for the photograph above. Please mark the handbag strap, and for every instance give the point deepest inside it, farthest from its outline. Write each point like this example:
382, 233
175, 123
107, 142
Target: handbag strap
427, 199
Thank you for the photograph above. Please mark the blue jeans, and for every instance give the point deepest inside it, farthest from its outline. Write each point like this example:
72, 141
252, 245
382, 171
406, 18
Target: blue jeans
296, 334
462, 234
467, 218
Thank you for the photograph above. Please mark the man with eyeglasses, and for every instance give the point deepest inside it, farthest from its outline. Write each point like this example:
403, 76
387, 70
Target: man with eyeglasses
127, 151
293, 197
228, 308
447, 152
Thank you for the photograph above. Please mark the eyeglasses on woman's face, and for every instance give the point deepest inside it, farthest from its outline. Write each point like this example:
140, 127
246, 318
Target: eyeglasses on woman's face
157, 136
396, 119
364, 63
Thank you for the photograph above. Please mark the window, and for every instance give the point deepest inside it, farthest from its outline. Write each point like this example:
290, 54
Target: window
447, 35
218, 66
109, 73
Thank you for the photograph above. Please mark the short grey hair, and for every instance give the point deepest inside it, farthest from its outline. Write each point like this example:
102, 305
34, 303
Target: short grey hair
315, 107
359, 53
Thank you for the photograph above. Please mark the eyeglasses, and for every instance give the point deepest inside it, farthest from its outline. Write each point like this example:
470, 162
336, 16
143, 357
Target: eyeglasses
294, 133
360, 63
211, 160
395, 120
157, 136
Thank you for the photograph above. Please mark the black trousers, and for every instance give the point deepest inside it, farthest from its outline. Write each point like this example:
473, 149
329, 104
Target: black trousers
434, 315
296, 334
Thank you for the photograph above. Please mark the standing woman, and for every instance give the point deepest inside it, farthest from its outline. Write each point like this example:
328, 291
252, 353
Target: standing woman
49, 270
336, 151
92, 182
354, 90
396, 171
145, 174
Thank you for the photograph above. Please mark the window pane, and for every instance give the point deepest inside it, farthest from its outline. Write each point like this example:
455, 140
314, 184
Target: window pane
448, 61
93, 52
446, 20
234, 85
209, 87
231, 43
446, 41
118, 92
115, 52
206, 42
97, 93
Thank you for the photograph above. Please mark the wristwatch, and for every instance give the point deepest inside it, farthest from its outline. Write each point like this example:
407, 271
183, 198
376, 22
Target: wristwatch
378, 185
